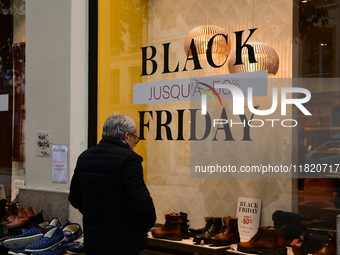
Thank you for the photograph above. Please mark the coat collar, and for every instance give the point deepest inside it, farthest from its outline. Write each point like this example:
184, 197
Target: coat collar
119, 143
115, 141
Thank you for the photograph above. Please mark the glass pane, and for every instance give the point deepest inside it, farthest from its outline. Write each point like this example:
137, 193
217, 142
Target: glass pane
12, 87
149, 69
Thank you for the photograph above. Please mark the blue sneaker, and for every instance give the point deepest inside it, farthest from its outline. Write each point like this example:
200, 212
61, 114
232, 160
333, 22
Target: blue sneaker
72, 232
50, 239
53, 223
45, 226
21, 241
57, 250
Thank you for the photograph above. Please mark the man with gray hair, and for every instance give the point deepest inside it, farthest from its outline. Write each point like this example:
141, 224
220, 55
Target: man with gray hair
109, 190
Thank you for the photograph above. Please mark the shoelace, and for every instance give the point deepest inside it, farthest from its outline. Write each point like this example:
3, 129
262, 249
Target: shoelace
224, 228
211, 227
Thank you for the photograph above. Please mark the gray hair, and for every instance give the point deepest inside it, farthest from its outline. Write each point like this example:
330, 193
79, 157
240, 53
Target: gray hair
116, 125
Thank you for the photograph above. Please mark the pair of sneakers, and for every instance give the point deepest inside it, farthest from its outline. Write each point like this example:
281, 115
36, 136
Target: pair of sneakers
33, 241
46, 238
71, 231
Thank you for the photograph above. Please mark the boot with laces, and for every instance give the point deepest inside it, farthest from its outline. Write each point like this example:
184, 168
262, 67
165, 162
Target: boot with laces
212, 228
229, 233
171, 229
329, 247
267, 241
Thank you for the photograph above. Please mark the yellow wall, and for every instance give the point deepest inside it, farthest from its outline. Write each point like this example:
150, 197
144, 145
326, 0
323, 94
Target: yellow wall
121, 32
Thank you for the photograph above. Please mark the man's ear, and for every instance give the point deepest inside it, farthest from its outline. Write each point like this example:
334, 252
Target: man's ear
126, 135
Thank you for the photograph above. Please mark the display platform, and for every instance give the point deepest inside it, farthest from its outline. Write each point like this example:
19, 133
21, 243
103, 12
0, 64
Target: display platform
184, 247
157, 246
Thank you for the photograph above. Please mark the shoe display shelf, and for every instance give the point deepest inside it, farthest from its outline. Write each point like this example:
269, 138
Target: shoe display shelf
157, 246
185, 247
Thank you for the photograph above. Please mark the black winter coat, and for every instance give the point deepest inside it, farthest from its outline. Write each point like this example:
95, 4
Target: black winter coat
109, 190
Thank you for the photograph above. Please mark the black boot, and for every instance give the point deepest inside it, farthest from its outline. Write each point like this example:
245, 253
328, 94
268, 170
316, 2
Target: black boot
184, 225
212, 228
194, 232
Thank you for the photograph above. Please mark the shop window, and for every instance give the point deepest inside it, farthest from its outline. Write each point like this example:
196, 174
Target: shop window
6, 90
19, 102
12, 86
319, 134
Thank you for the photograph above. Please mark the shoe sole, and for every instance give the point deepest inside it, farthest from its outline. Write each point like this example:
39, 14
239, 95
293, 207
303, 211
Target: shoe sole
14, 253
44, 249
22, 242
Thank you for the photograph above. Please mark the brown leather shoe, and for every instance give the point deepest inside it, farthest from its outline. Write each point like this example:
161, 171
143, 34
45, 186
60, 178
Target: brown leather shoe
30, 212
329, 247
10, 218
171, 229
267, 240
19, 220
229, 233
298, 247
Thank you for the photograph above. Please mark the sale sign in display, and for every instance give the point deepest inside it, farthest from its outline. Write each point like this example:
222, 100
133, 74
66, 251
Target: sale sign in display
248, 213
